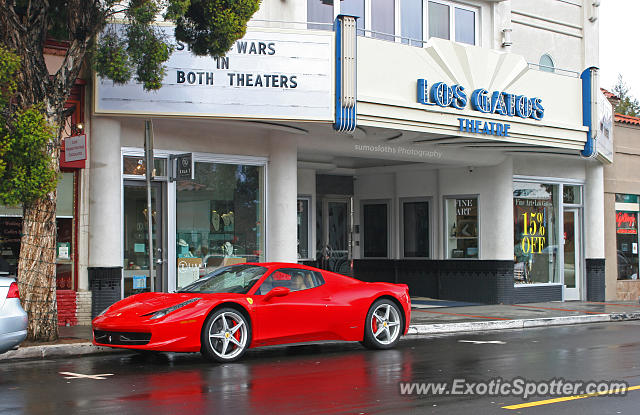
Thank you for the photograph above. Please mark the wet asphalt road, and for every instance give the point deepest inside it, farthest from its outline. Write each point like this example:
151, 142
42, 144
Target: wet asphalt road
342, 378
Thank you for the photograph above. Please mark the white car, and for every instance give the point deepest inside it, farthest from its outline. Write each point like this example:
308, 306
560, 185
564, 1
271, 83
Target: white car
13, 319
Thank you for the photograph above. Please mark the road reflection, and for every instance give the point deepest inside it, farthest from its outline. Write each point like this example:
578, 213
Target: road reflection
303, 383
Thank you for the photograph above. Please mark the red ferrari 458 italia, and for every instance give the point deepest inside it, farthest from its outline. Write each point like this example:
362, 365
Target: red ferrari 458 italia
257, 304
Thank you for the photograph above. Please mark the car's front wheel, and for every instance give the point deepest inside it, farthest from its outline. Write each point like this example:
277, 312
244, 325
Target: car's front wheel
226, 335
383, 325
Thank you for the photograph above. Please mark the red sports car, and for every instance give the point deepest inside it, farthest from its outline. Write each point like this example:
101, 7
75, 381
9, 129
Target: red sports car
257, 304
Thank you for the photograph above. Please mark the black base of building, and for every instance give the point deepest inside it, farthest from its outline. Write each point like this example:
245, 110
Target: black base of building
481, 281
105, 285
537, 293
595, 279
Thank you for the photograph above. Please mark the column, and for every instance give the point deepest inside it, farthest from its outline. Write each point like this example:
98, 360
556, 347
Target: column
594, 231
496, 234
105, 199
282, 194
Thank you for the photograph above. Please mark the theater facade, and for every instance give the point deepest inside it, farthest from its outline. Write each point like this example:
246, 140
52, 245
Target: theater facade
459, 169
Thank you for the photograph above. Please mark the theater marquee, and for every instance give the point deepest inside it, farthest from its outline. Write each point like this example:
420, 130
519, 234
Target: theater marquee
267, 74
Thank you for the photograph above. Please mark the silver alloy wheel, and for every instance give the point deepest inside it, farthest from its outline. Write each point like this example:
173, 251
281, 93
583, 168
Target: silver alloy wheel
385, 323
222, 335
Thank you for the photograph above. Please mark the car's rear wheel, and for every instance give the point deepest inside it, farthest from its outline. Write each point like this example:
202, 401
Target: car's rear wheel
383, 325
226, 335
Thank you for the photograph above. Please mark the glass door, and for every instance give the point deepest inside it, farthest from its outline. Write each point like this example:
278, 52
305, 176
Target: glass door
572, 258
334, 249
136, 275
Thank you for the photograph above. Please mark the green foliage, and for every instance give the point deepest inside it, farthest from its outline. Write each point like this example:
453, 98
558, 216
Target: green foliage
212, 26
25, 168
27, 175
9, 65
140, 49
628, 105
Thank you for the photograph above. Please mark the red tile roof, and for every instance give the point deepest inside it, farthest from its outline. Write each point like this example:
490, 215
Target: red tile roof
608, 94
627, 119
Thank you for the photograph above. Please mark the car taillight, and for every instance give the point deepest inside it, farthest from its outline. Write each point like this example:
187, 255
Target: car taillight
13, 291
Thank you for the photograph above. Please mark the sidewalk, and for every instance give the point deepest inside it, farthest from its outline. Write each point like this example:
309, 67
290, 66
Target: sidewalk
428, 316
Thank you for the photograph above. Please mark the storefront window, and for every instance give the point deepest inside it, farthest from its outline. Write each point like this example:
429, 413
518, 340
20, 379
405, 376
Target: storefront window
11, 229
303, 228
135, 166
375, 218
218, 219
627, 236
415, 229
536, 247
571, 195
462, 227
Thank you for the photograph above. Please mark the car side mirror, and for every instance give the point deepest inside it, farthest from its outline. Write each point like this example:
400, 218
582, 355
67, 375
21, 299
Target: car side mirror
276, 292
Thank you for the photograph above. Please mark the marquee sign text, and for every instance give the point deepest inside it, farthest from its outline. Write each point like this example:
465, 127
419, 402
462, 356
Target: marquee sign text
496, 102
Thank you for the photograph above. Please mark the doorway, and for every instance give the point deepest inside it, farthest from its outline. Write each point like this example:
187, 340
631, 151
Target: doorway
572, 254
136, 275
334, 218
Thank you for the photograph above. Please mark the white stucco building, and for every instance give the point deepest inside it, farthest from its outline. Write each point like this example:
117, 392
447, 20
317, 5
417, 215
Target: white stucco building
442, 144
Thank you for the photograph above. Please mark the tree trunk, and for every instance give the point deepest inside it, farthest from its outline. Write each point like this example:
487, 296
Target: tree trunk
37, 263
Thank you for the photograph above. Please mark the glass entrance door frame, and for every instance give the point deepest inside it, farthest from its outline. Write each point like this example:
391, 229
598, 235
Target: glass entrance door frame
577, 292
160, 252
324, 237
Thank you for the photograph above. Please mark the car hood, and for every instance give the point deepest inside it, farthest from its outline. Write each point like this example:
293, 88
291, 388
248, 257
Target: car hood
145, 303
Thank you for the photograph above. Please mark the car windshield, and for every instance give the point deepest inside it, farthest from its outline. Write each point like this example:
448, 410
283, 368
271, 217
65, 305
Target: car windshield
231, 279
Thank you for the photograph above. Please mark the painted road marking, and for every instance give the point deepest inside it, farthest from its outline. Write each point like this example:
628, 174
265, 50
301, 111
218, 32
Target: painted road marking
566, 398
482, 341
71, 375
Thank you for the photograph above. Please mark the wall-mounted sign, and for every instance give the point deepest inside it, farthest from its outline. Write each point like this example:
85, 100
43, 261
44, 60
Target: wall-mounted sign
604, 137
468, 125
266, 74
75, 148
74, 152
626, 222
496, 102
182, 166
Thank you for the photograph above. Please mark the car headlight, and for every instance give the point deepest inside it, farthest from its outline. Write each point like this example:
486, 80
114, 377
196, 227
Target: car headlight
103, 311
165, 311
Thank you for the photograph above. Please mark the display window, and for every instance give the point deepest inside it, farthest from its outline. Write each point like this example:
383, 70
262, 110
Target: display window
219, 219
536, 247
375, 226
11, 229
462, 227
627, 236
416, 231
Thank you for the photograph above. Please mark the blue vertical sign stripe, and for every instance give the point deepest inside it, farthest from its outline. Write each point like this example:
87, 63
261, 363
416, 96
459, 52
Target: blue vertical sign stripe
587, 100
345, 117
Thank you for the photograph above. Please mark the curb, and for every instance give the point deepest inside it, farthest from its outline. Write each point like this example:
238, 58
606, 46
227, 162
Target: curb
55, 351
419, 329
87, 348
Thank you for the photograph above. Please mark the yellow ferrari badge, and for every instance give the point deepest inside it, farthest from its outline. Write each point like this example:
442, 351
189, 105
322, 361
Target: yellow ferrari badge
249, 300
